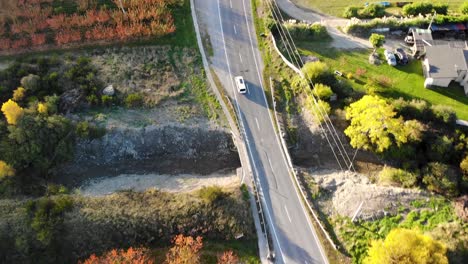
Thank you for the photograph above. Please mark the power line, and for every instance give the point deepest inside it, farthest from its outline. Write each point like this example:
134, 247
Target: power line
321, 111
283, 37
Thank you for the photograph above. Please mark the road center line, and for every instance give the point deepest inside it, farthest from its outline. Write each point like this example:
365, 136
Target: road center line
287, 213
256, 121
235, 30
240, 56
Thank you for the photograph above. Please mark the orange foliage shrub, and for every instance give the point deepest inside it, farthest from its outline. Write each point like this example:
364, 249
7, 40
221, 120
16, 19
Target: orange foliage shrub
228, 257
5, 44
143, 18
20, 43
38, 39
130, 256
68, 36
185, 250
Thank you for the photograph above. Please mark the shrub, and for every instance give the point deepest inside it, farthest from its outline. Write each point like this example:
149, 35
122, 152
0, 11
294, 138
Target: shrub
299, 84
441, 9
211, 194
107, 100
415, 9
360, 72
19, 94
307, 32
397, 177
464, 165
322, 91
440, 149
134, 100
464, 8
87, 131
376, 40
131, 255
245, 192
318, 109
372, 11
47, 216
6, 170
444, 113
318, 72
349, 76
351, 11
440, 178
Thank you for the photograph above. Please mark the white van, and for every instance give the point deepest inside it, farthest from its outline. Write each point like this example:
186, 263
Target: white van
241, 88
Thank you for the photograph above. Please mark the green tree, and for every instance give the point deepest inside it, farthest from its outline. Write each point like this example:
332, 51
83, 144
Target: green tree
374, 125
406, 246
376, 40
38, 142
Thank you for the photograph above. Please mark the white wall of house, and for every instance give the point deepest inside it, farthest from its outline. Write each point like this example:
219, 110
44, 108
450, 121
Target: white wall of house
441, 82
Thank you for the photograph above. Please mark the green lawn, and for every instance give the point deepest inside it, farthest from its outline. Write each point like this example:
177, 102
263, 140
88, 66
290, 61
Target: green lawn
401, 81
336, 7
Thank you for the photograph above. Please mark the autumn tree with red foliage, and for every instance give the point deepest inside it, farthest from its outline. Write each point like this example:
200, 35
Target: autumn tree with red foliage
186, 250
129, 256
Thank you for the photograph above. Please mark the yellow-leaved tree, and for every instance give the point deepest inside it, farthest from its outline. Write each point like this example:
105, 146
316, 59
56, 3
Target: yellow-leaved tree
42, 108
18, 94
374, 125
6, 170
404, 246
12, 111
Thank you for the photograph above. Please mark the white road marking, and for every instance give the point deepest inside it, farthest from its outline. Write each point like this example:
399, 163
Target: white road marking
235, 30
247, 87
240, 56
256, 121
230, 3
287, 213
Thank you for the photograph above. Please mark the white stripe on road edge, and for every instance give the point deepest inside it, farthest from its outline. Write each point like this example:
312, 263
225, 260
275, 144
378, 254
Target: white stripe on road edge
287, 213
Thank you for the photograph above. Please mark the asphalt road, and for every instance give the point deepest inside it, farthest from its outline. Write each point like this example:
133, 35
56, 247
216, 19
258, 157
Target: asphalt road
236, 53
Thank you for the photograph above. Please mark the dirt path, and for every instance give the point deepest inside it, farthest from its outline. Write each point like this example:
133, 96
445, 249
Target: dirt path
340, 39
169, 183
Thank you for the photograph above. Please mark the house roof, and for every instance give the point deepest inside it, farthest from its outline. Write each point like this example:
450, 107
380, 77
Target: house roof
445, 61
